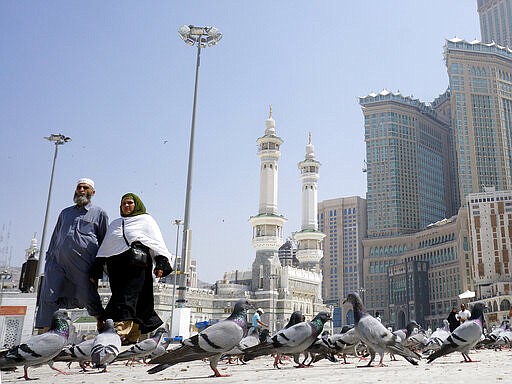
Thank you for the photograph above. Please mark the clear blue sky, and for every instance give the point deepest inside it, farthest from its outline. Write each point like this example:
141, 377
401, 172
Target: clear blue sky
116, 78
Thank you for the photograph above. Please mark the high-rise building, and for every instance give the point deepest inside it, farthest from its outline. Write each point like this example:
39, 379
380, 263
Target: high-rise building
496, 21
343, 220
409, 170
481, 98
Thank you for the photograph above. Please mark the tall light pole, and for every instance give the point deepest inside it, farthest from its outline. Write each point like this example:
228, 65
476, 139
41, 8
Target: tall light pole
177, 222
202, 37
57, 139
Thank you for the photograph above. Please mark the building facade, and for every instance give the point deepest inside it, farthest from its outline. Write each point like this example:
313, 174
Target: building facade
408, 164
490, 223
343, 220
496, 21
481, 108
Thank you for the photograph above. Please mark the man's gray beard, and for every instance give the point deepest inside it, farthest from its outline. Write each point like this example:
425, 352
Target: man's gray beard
82, 200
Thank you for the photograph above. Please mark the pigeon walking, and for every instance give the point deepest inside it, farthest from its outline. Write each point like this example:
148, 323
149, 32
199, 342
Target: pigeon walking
39, 349
291, 341
464, 337
143, 348
210, 343
376, 336
80, 353
106, 346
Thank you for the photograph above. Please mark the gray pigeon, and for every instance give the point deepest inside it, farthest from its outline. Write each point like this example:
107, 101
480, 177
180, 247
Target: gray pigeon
39, 349
106, 346
464, 337
80, 353
437, 338
376, 336
291, 341
253, 338
159, 350
345, 343
210, 343
143, 348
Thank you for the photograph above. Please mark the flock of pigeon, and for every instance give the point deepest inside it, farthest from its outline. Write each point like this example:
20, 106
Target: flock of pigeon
229, 339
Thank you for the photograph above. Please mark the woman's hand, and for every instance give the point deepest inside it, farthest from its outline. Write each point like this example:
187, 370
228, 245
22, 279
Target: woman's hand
158, 272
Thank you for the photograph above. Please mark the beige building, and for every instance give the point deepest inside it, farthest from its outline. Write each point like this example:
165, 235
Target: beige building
444, 245
490, 222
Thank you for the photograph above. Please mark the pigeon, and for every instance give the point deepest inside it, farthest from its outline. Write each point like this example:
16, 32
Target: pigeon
319, 350
252, 339
437, 338
376, 336
159, 350
210, 343
80, 353
291, 341
505, 338
106, 346
143, 348
493, 336
344, 343
406, 333
39, 349
464, 337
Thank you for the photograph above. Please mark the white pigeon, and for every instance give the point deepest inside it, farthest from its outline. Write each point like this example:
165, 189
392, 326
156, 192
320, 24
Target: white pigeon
106, 346
210, 343
464, 337
80, 353
39, 349
142, 349
376, 336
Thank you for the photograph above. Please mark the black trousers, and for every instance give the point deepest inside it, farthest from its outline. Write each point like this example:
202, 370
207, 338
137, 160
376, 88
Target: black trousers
132, 293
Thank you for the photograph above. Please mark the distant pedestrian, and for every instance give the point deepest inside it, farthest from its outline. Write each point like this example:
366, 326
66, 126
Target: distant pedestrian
257, 324
463, 314
377, 316
452, 319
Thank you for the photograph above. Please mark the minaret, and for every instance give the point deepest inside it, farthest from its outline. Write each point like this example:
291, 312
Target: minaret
267, 234
309, 238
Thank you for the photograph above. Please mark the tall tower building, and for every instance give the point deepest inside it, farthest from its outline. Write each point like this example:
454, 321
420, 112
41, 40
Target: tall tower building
481, 91
267, 225
309, 238
496, 21
408, 164
343, 220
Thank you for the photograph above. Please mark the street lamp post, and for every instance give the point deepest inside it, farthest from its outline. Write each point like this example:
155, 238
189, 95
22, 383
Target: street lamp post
177, 222
202, 37
57, 139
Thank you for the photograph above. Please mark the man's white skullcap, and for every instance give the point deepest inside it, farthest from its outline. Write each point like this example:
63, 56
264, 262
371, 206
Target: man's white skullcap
85, 180
260, 310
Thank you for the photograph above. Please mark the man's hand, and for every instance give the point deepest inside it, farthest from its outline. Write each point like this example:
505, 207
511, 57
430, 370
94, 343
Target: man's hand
158, 272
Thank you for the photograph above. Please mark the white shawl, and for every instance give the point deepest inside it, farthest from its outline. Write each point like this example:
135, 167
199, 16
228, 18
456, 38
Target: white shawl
141, 228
